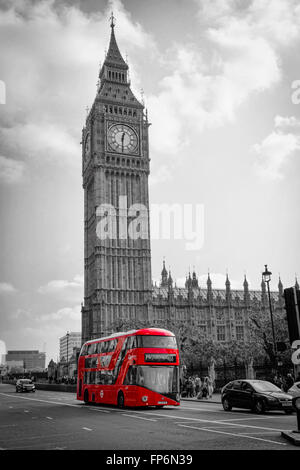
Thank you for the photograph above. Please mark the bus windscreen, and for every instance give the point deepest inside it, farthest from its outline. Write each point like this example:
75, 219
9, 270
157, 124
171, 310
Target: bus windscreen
160, 379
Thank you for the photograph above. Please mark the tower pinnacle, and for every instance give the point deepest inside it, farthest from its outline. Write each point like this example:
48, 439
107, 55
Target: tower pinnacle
112, 20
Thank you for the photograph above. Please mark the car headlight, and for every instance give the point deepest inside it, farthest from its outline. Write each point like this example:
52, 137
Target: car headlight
272, 399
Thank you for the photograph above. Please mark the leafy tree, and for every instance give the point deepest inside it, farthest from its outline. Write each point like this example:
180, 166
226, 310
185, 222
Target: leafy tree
261, 333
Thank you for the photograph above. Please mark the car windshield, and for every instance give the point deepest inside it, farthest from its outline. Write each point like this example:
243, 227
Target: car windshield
26, 381
265, 387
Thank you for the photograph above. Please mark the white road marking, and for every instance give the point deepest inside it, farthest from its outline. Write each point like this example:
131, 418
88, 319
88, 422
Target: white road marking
154, 414
199, 420
87, 429
49, 417
45, 401
255, 418
139, 417
233, 434
26, 411
96, 409
212, 410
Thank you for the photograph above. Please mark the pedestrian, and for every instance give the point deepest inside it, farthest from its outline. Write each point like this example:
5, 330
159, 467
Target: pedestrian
205, 388
289, 382
193, 387
197, 385
210, 387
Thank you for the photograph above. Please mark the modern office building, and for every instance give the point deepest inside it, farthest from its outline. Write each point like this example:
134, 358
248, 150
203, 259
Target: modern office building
67, 343
31, 360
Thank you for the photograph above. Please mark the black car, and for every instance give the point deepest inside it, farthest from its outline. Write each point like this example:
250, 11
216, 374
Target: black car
256, 395
25, 385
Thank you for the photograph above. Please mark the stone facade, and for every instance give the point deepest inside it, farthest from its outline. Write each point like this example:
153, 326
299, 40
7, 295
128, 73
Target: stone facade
115, 163
117, 271
220, 314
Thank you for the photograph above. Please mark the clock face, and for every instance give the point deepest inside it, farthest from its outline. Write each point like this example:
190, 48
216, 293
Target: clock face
122, 138
86, 146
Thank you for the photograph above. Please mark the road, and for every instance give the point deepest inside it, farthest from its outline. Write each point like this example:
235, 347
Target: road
56, 420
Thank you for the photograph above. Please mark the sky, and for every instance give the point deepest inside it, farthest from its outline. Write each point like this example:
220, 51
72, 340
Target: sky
221, 82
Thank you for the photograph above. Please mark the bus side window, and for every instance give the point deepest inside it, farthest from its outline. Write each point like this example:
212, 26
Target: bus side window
130, 378
132, 342
104, 347
93, 362
109, 377
84, 350
129, 342
120, 360
92, 377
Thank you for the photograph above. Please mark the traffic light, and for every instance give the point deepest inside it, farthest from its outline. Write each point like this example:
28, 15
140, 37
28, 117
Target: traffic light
292, 305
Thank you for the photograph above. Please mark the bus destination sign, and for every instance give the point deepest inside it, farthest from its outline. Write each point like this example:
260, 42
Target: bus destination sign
156, 357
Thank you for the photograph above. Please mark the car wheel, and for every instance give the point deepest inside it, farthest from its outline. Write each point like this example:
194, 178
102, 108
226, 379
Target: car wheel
121, 400
226, 404
86, 396
17, 390
259, 407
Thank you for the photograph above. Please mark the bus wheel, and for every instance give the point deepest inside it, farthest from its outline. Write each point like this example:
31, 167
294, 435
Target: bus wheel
158, 407
121, 400
86, 396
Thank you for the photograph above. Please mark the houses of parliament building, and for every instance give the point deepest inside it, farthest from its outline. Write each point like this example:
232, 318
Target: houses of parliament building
117, 269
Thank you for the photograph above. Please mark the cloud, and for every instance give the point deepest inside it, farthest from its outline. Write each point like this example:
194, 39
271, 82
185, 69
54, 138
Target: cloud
56, 50
11, 171
160, 175
67, 315
238, 55
61, 289
6, 288
273, 153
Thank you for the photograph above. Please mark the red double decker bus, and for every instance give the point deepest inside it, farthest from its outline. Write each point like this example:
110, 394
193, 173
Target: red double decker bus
137, 368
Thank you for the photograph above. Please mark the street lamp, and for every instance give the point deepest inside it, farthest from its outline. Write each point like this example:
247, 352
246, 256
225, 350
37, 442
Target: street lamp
267, 278
68, 334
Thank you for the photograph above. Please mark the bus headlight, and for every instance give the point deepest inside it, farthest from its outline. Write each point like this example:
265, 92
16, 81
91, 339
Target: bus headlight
144, 398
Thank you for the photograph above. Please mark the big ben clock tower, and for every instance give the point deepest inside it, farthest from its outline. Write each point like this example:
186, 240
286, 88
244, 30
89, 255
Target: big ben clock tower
115, 169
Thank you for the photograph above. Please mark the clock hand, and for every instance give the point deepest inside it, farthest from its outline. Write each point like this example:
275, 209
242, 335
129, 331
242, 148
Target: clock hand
122, 139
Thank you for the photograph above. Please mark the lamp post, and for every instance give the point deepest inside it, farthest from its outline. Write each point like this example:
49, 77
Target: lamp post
68, 334
267, 278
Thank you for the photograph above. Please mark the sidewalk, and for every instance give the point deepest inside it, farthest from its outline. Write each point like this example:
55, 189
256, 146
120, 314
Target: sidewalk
216, 398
